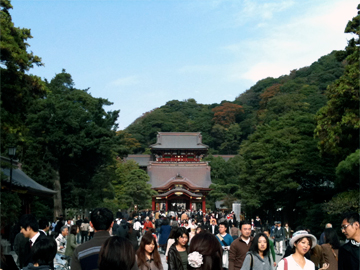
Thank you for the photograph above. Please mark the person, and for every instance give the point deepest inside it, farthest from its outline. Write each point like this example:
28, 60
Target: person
86, 255
61, 245
165, 230
271, 246
148, 256
240, 246
330, 249
301, 242
258, 225
29, 227
322, 236
349, 252
84, 228
170, 241
71, 243
279, 238
43, 253
205, 252
115, 253
214, 229
225, 241
192, 228
44, 227
20, 246
147, 225
287, 234
78, 223
133, 235
234, 231
178, 252
257, 258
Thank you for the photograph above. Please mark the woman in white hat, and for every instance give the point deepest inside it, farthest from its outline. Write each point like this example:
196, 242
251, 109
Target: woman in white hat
301, 242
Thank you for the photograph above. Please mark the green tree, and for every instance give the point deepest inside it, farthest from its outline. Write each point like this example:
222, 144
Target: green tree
19, 89
338, 122
70, 138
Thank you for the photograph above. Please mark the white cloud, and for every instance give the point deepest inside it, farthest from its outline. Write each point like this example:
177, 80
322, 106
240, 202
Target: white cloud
254, 10
293, 45
125, 81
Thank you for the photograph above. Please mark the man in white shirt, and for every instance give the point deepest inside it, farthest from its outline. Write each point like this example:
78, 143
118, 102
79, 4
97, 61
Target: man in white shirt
29, 227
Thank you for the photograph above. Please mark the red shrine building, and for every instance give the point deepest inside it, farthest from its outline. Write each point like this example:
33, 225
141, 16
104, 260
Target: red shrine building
177, 171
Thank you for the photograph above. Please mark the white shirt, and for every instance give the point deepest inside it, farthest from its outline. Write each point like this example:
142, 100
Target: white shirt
293, 265
34, 238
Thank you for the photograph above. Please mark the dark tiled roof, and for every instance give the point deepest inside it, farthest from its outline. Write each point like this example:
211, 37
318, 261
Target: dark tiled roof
197, 174
179, 140
21, 180
142, 160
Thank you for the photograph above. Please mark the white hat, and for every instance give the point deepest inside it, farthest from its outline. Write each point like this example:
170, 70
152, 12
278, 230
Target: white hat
300, 234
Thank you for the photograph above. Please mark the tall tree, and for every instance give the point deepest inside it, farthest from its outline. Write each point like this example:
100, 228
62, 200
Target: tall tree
19, 89
71, 137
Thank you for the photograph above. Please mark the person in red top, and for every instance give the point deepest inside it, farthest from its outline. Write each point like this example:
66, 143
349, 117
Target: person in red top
148, 225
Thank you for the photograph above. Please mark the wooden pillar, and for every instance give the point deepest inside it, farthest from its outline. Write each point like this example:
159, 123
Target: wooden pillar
190, 207
203, 205
167, 205
153, 204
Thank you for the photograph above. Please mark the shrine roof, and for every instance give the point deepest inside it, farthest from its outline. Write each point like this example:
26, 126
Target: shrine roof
22, 181
142, 160
195, 174
179, 140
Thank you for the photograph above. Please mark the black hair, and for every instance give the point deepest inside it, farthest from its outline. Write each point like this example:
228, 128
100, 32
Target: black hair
179, 232
44, 251
254, 248
165, 221
43, 223
73, 229
332, 238
245, 222
209, 247
224, 223
116, 253
29, 220
101, 219
352, 217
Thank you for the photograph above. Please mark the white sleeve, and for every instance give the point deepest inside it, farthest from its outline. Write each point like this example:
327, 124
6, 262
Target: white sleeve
280, 265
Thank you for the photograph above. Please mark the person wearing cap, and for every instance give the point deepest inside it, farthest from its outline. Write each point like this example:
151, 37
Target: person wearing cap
349, 253
301, 242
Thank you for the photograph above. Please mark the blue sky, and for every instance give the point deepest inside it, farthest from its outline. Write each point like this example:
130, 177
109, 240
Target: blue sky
139, 54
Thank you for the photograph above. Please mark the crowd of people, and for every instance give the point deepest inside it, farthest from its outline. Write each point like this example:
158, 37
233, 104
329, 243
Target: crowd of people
188, 241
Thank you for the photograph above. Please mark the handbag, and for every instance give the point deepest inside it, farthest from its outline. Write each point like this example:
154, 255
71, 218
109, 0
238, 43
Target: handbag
285, 264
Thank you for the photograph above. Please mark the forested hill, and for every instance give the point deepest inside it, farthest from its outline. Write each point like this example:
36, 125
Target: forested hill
224, 126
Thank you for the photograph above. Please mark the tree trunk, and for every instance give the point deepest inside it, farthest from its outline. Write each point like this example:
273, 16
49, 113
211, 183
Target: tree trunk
57, 197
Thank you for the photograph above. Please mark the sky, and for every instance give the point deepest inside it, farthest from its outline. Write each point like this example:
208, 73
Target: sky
139, 54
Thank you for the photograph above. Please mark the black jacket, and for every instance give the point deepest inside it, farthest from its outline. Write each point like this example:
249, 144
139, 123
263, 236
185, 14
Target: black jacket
174, 259
348, 257
27, 251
